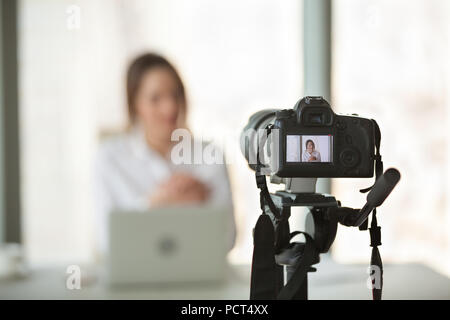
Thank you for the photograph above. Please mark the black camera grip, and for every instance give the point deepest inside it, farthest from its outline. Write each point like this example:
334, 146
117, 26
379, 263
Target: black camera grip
380, 191
383, 187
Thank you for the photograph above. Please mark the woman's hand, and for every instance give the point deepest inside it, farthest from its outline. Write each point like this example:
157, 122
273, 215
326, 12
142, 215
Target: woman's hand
312, 158
180, 188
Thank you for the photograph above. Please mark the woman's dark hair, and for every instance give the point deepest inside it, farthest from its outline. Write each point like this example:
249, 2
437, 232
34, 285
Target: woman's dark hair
308, 141
138, 67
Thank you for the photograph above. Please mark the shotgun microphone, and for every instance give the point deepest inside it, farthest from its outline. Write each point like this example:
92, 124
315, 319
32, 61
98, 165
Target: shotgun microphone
380, 191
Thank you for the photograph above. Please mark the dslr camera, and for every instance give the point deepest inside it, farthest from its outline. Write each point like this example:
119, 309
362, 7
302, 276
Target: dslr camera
310, 140
295, 147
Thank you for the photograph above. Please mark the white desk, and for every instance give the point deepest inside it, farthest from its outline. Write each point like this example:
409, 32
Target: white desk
331, 281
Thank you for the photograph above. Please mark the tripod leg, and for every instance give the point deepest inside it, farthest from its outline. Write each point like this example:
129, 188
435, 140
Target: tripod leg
279, 278
302, 292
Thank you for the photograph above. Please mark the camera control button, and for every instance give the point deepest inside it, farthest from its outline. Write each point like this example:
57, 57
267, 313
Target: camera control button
285, 113
348, 139
349, 157
341, 125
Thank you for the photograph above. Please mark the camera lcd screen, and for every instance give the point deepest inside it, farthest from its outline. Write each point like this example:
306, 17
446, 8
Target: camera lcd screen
303, 148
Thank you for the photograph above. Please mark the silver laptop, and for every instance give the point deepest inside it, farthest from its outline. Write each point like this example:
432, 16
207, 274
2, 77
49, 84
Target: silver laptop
167, 245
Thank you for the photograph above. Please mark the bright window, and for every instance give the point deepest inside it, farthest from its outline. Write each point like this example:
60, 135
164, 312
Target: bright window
236, 57
390, 62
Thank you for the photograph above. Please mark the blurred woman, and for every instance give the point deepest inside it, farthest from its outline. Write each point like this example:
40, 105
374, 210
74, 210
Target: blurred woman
134, 171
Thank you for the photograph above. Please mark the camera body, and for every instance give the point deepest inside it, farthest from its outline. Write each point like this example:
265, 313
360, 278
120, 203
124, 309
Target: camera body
310, 140
316, 142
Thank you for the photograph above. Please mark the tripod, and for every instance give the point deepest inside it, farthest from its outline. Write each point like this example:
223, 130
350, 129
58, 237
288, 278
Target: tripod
289, 254
274, 253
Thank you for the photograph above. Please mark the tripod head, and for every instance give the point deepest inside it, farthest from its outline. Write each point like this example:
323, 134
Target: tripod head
327, 213
334, 213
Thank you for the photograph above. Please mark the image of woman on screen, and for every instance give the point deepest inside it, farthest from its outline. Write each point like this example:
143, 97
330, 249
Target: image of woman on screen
310, 154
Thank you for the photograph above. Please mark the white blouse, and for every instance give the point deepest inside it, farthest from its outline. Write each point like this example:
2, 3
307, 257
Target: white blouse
307, 155
127, 172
